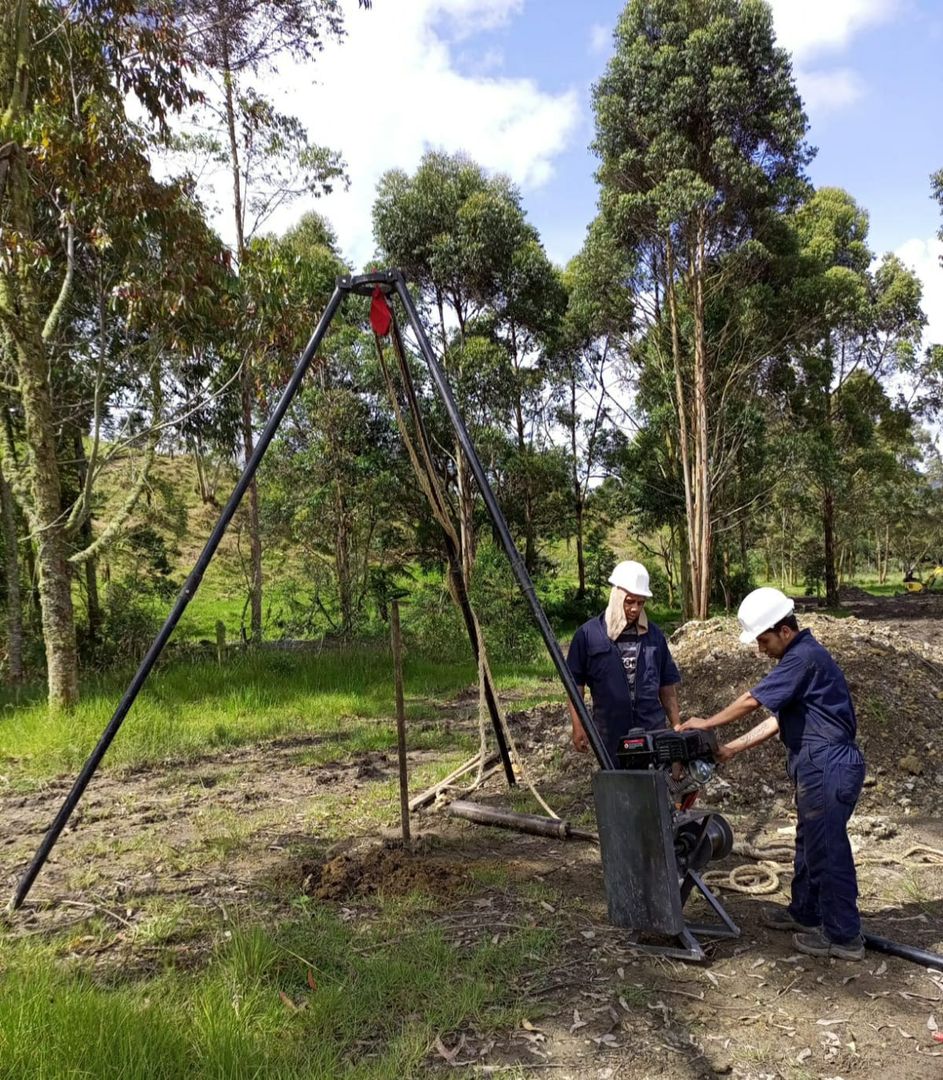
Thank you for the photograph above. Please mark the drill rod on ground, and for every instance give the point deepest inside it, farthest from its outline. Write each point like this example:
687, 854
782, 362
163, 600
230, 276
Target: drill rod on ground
535, 824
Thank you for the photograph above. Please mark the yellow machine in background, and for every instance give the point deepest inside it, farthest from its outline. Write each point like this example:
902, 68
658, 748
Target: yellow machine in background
925, 582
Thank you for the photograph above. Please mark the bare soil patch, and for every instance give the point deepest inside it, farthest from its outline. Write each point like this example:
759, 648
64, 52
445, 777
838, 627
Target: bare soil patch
387, 870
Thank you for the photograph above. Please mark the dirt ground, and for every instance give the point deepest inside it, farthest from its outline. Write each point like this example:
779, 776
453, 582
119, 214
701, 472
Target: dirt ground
219, 835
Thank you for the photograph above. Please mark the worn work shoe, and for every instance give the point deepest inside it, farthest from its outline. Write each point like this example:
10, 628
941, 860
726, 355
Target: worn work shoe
777, 917
815, 943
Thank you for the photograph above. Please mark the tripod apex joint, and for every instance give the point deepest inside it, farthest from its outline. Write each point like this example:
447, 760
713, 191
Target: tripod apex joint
364, 284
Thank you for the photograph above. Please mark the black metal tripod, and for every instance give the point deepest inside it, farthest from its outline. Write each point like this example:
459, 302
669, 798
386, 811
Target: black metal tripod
393, 285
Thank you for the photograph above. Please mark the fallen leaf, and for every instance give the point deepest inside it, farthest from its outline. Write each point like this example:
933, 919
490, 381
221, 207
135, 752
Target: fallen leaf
528, 1026
837, 1020
578, 1021
588, 933
931, 1023
444, 1052
906, 1034
606, 1040
803, 1055
880, 969
312, 982
530, 1036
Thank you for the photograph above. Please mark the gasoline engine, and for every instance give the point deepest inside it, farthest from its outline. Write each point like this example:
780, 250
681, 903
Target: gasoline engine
687, 759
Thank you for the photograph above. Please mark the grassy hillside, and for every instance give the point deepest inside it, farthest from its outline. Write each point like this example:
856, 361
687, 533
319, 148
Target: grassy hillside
172, 522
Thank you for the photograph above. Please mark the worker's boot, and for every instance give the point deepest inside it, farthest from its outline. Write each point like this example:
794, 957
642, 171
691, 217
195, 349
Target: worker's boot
778, 917
815, 943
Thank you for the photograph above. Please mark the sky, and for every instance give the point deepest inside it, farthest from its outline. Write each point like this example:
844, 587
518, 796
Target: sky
510, 81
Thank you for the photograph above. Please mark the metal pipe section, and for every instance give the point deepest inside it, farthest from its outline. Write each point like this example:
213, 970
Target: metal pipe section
905, 952
186, 595
535, 824
514, 556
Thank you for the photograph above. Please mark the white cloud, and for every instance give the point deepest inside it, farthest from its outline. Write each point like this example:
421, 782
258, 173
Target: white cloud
923, 256
391, 90
806, 27
600, 38
826, 90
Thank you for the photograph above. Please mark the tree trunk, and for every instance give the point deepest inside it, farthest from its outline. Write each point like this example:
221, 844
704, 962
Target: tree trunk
689, 577
828, 532
667, 558
702, 493
20, 314
577, 494
342, 562
46, 522
466, 514
246, 381
14, 595
255, 531
93, 607
530, 539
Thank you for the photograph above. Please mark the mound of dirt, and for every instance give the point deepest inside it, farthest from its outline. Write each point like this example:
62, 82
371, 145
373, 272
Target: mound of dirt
849, 593
389, 871
896, 681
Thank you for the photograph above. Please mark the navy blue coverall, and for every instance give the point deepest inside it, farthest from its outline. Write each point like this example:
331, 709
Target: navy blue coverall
595, 662
808, 693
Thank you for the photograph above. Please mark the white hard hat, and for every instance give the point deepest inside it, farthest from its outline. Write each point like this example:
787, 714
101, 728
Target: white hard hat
631, 576
761, 610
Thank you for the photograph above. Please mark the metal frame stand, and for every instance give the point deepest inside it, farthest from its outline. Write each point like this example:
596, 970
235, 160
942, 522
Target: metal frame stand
645, 891
691, 948
391, 284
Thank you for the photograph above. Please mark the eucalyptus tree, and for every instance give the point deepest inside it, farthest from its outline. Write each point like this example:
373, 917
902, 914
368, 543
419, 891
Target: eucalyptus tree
492, 302
701, 136
68, 156
267, 153
859, 327
334, 488
589, 364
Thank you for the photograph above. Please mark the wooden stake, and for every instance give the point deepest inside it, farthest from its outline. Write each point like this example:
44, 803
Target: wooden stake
400, 719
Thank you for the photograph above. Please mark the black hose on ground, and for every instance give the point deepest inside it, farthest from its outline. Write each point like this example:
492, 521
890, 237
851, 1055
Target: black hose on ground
905, 952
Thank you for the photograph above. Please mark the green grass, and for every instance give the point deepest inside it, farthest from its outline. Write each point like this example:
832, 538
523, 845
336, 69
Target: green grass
190, 708
316, 997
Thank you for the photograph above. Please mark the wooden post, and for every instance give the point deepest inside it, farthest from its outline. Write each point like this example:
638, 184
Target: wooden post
220, 642
400, 719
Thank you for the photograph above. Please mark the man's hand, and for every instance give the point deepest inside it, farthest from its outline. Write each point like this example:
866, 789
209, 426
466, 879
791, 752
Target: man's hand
724, 753
693, 723
580, 738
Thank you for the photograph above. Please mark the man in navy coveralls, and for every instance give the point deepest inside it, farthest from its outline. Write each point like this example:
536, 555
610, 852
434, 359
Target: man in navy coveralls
815, 719
624, 660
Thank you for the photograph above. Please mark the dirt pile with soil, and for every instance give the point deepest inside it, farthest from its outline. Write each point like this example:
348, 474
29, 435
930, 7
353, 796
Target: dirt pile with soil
383, 870
895, 677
